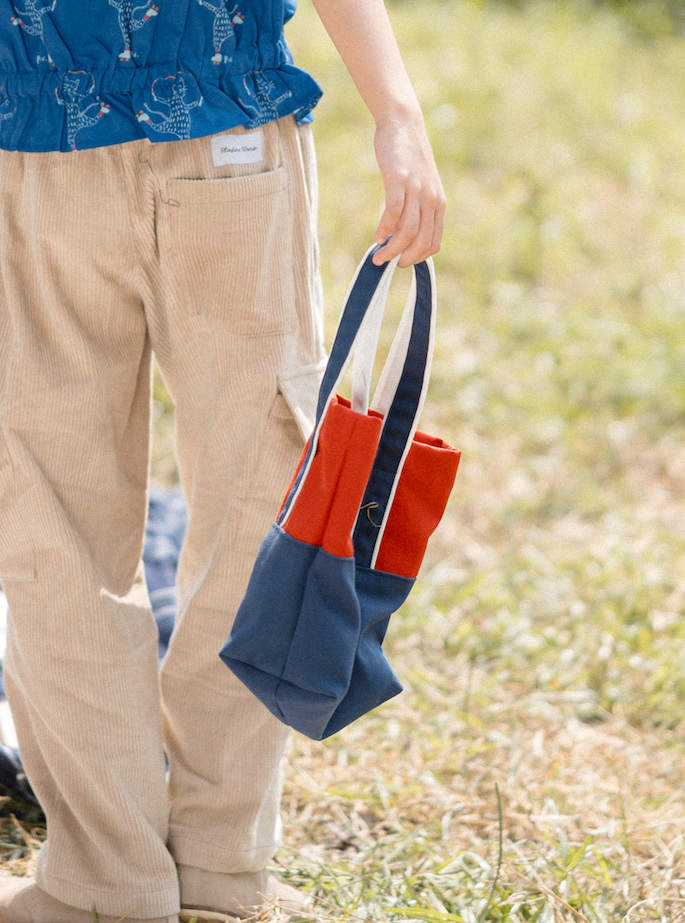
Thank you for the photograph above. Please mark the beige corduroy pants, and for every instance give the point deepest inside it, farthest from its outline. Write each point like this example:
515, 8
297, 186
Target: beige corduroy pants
105, 255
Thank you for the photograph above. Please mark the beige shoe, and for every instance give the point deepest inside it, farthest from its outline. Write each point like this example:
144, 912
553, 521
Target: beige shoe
202, 915
22, 901
252, 894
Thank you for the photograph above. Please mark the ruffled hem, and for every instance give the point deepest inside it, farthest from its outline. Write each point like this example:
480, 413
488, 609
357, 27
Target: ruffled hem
48, 111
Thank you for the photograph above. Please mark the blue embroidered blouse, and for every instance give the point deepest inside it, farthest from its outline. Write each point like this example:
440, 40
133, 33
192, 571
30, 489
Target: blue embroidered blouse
76, 74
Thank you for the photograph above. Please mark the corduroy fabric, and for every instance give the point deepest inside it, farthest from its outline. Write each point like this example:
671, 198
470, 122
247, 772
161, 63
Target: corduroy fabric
106, 254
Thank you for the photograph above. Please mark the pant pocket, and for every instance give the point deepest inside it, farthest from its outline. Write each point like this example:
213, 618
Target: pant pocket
226, 251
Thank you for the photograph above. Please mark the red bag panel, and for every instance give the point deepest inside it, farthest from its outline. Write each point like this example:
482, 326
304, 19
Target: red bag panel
326, 508
420, 499
294, 477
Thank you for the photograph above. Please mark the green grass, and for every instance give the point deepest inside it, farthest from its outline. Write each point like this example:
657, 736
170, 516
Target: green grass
561, 351
542, 650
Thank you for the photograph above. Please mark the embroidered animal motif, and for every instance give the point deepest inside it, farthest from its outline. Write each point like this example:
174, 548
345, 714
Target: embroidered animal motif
171, 92
224, 21
264, 106
32, 22
5, 101
31, 18
130, 21
73, 96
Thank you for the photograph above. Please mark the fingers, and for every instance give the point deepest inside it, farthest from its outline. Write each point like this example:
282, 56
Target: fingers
413, 218
414, 211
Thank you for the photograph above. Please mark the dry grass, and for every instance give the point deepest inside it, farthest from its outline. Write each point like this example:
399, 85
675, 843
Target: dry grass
400, 813
20, 843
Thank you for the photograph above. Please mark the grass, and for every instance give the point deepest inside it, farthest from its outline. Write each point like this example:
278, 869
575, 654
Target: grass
542, 650
532, 770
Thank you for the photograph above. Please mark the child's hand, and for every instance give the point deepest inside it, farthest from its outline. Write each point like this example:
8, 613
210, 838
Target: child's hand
414, 199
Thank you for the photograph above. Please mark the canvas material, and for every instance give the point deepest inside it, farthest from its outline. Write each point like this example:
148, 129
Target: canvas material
309, 632
98, 265
418, 505
326, 508
316, 658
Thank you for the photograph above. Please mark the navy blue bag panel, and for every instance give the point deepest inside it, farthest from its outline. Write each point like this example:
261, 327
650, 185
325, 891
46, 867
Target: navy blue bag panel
373, 680
300, 593
333, 670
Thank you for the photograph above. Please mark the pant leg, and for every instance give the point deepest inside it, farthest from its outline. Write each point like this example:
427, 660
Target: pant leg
239, 343
81, 664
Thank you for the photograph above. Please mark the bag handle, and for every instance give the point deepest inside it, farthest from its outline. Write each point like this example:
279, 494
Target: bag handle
400, 396
405, 376
366, 344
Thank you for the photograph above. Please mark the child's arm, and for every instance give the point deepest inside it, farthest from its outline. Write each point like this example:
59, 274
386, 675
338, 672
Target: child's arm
414, 198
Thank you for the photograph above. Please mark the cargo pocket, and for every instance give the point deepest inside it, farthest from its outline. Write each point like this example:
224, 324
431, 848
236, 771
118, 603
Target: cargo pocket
300, 391
280, 443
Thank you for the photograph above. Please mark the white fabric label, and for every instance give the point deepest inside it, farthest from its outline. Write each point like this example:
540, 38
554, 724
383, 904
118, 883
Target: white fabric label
237, 149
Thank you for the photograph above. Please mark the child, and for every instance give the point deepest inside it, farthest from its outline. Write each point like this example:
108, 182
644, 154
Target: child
158, 192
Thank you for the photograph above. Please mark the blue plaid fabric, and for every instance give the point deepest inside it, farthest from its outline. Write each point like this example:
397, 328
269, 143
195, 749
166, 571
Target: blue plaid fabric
77, 75
166, 526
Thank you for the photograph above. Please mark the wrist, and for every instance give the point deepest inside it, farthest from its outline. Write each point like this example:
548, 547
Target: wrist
401, 115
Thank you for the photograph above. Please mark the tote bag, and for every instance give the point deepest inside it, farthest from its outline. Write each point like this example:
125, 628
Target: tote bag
345, 549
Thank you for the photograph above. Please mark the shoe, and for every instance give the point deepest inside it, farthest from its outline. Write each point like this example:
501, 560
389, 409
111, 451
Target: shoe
22, 901
253, 894
202, 915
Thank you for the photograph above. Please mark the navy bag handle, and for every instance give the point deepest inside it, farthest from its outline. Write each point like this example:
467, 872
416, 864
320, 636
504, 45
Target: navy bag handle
401, 390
